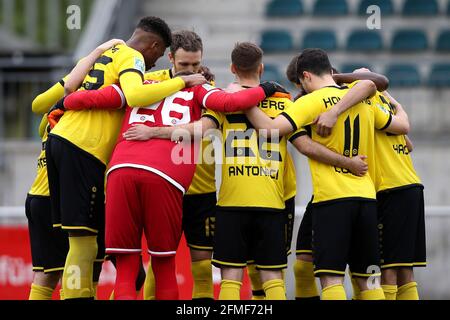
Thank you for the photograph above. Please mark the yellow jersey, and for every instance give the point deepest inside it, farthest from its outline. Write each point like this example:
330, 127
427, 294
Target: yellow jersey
40, 184
394, 166
352, 135
96, 131
253, 167
204, 180
41, 104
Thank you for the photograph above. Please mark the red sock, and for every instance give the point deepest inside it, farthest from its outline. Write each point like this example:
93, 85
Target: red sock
127, 266
166, 287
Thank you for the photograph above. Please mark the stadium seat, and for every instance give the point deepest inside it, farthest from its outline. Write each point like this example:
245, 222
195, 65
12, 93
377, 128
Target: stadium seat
403, 75
443, 41
324, 39
420, 8
385, 5
330, 8
276, 40
350, 67
272, 73
284, 8
363, 40
409, 40
440, 75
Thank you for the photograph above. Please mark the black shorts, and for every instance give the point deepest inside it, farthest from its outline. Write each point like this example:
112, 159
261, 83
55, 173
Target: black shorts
401, 221
245, 233
77, 182
49, 246
199, 216
345, 232
304, 237
290, 220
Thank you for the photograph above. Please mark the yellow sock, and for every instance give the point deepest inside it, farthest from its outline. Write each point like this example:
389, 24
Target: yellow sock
390, 292
77, 276
61, 294
230, 290
203, 284
305, 281
408, 292
149, 284
334, 292
356, 290
274, 290
375, 294
255, 279
112, 296
40, 293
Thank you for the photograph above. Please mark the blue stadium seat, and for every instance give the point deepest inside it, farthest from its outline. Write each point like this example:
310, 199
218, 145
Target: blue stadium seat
324, 39
403, 75
443, 41
386, 6
330, 8
364, 40
272, 73
440, 75
276, 41
284, 8
350, 67
420, 8
409, 40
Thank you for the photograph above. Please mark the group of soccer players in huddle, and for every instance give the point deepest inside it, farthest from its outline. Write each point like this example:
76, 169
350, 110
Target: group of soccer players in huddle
126, 152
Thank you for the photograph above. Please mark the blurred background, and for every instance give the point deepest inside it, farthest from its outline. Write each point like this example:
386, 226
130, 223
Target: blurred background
407, 40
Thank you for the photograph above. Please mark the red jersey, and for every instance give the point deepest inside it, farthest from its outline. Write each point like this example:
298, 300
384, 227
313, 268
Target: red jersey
175, 162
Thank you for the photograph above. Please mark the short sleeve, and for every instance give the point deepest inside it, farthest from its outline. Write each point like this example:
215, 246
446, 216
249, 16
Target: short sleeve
303, 112
128, 60
383, 116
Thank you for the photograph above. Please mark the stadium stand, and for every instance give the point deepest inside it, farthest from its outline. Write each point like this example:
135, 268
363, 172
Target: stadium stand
443, 41
440, 75
409, 40
386, 6
420, 8
330, 8
276, 40
284, 8
403, 75
324, 39
364, 40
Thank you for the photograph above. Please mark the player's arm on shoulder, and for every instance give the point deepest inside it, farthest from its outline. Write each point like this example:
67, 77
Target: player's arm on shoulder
318, 152
268, 126
326, 121
43, 102
108, 98
140, 132
381, 81
399, 122
81, 70
139, 95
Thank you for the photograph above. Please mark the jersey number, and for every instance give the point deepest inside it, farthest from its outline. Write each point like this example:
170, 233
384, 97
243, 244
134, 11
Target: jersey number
99, 75
167, 113
238, 137
349, 147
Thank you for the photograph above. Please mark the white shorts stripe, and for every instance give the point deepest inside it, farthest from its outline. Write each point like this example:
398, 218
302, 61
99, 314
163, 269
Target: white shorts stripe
122, 250
162, 254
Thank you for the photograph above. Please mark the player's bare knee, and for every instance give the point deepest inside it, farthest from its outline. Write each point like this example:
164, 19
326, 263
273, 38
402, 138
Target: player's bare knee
389, 276
330, 280
48, 280
267, 275
404, 276
305, 257
200, 255
234, 274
